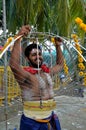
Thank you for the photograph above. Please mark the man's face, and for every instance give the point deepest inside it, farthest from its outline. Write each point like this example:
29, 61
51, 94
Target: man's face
35, 58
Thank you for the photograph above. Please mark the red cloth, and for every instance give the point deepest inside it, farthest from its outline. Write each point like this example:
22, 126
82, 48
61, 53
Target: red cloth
34, 71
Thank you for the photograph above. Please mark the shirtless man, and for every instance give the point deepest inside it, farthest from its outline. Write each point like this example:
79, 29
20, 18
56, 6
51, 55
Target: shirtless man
36, 85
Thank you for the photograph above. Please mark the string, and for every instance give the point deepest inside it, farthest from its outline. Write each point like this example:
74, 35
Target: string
40, 89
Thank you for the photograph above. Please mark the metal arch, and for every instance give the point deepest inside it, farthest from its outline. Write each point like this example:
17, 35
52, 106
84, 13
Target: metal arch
43, 34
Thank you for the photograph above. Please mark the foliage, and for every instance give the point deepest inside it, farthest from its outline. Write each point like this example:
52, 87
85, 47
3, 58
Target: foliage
56, 16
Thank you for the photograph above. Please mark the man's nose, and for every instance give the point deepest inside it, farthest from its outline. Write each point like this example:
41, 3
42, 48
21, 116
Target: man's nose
38, 56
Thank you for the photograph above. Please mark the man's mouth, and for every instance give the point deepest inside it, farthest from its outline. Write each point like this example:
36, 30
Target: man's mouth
38, 61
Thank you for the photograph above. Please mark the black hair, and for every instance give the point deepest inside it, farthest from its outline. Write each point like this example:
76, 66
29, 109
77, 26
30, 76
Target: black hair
29, 48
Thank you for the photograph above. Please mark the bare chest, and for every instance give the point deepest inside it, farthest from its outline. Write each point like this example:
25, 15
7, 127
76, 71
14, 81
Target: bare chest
41, 85
44, 80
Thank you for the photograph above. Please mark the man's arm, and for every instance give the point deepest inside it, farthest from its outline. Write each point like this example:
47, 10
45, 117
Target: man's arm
18, 71
59, 57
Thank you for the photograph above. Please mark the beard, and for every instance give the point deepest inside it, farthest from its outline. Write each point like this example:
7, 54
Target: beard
34, 64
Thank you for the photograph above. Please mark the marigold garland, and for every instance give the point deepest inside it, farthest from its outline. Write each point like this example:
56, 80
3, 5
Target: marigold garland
80, 23
81, 73
85, 74
80, 65
65, 68
80, 59
78, 20
74, 36
53, 40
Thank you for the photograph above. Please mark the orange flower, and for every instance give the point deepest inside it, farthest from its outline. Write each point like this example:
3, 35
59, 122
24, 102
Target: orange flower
80, 59
81, 73
10, 39
78, 20
78, 48
85, 74
65, 64
53, 40
82, 68
80, 65
74, 36
80, 51
76, 40
82, 26
84, 79
76, 45
66, 72
65, 67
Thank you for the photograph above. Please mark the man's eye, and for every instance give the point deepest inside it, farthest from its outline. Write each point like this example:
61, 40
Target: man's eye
34, 54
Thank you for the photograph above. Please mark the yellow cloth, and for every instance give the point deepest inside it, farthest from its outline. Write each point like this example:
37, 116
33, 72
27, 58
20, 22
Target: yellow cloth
47, 105
32, 108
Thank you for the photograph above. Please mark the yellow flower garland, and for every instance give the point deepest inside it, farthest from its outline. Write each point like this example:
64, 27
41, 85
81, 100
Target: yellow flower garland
78, 20
80, 23
80, 59
53, 40
81, 73
65, 68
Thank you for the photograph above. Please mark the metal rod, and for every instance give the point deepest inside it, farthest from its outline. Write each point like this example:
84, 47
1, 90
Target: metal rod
5, 61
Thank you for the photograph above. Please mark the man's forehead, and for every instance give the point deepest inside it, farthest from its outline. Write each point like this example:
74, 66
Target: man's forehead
34, 50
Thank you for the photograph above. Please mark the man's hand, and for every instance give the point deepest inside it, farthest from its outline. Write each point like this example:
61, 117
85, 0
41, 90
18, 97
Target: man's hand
24, 31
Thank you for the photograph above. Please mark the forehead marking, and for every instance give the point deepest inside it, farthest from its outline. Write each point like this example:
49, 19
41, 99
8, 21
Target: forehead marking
35, 51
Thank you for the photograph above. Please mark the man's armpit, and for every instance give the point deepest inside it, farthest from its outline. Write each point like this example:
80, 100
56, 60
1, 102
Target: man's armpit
26, 81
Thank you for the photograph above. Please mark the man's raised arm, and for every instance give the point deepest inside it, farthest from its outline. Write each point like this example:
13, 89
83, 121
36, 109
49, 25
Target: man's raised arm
16, 51
59, 57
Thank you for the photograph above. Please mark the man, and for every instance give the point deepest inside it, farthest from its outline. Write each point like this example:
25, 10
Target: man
36, 85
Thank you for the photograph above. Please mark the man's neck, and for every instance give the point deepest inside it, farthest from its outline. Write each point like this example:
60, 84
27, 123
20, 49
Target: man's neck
37, 68
33, 70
